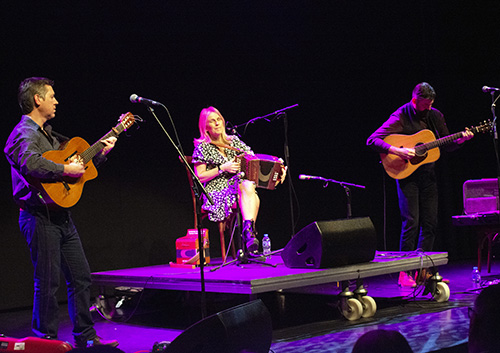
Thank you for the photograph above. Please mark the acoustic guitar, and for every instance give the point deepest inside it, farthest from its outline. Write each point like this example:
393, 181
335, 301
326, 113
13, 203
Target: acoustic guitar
426, 150
67, 192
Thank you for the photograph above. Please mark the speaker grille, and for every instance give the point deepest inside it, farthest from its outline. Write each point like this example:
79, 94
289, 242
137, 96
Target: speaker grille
326, 244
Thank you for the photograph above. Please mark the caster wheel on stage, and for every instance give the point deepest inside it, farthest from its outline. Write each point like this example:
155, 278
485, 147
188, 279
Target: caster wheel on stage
369, 306
442, 293
353, 309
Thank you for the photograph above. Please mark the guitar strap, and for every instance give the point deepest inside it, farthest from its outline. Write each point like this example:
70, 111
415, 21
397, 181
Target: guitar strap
59, 136
47, 135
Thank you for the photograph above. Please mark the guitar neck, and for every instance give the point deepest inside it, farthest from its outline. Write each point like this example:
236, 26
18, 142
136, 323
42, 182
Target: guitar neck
443, 141
90, 152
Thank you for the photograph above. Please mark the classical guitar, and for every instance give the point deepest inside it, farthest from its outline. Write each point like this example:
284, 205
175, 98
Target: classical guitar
426, 150
67, 192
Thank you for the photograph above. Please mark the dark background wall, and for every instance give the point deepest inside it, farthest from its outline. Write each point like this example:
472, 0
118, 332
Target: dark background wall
348, 64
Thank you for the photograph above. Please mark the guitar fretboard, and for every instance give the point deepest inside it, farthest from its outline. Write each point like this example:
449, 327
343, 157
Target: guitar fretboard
90, 152
421, 149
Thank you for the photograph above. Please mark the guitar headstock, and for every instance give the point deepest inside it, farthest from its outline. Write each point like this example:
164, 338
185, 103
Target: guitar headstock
127, 120
484, 127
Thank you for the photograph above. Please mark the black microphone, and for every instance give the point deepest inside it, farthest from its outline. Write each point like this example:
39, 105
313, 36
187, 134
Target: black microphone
487, 89
134, 98
239, 175
307, 177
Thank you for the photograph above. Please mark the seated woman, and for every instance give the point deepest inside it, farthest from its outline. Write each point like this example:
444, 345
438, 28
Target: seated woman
215, 165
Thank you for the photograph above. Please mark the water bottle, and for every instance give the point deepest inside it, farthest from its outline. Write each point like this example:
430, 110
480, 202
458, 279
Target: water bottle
476, 276
266, 246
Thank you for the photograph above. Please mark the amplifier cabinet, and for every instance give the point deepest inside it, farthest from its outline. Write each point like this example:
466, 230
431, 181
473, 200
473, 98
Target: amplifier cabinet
480, 196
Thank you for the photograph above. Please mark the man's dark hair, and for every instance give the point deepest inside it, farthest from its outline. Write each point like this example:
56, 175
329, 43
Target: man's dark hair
485, 321
424, 91
379, 341
27, 90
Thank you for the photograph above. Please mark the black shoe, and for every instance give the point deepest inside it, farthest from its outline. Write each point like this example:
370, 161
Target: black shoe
96, 341
248, 235
252, 245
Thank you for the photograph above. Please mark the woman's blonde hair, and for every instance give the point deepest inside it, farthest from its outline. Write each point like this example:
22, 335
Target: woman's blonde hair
202, 125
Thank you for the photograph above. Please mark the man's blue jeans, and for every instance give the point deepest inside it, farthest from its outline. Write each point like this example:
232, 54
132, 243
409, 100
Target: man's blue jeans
55, 246
418, 204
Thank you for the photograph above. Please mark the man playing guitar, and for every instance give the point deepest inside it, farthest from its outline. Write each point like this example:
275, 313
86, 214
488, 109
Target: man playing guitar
417, 193
50, 233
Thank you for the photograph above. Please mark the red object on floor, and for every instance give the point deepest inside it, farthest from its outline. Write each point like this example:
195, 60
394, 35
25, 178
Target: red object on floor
33, 345
187, 247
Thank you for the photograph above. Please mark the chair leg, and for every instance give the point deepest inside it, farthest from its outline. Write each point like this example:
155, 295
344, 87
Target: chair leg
480, 243
233, 249
491, 236
222, 231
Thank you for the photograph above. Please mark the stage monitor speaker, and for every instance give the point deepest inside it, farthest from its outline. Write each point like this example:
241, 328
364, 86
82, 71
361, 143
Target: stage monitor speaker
244, 328
326, 244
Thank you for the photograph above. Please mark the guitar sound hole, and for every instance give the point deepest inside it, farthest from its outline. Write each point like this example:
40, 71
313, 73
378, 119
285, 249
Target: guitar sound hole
418, 159
71, 155
420, 154
418, 151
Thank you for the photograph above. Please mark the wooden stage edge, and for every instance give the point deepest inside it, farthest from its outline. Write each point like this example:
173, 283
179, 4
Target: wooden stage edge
258, 278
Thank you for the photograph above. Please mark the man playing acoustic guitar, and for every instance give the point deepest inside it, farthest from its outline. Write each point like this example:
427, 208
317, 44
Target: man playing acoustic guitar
417, 193
51, 235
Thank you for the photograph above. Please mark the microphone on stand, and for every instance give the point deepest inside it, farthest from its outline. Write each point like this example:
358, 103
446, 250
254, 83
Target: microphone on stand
308, 177
230, 128
487, 89
134, 98
282, 110
238, 176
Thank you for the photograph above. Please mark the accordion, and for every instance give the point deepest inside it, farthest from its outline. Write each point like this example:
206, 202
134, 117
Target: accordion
264, 170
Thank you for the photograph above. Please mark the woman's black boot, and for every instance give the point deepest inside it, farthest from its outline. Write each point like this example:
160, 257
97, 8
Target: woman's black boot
248, 235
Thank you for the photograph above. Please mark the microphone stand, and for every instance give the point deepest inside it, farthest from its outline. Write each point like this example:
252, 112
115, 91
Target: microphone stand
281, 113
197, 187
265, 117
287, 160
495, 142
346, 189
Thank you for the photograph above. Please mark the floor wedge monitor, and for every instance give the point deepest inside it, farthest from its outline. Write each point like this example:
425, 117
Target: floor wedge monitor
243, 328
327, 244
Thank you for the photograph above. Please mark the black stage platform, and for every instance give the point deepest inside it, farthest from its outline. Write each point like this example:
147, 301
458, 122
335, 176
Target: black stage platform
258, 278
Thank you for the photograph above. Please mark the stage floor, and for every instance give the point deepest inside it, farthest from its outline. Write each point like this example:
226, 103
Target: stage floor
255, 278
305, 319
